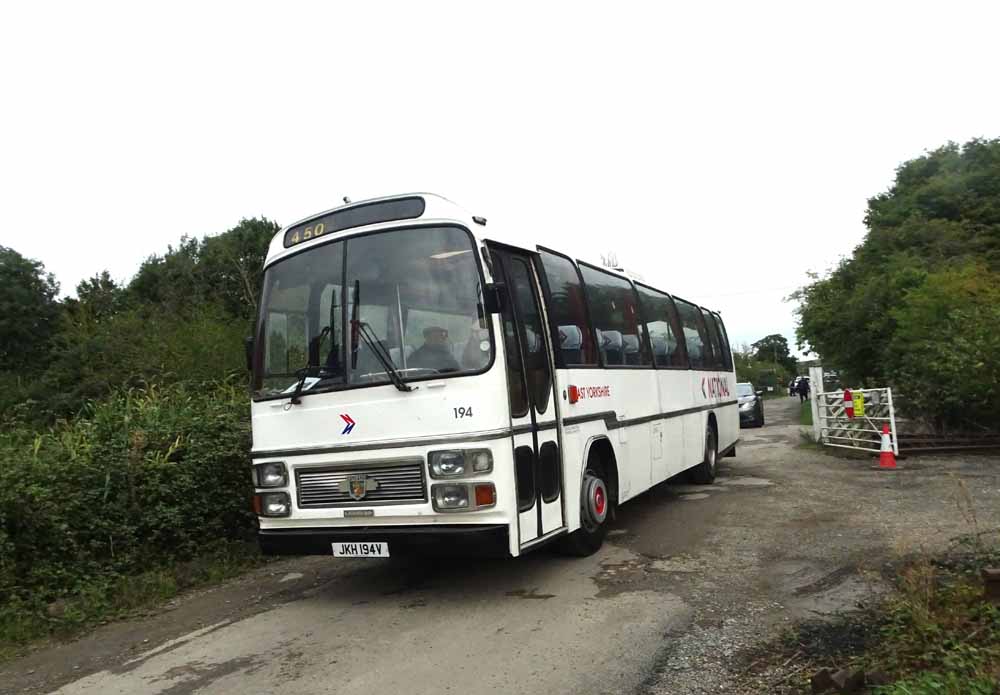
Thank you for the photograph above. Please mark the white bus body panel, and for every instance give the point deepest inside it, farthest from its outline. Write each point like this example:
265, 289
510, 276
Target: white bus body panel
655, 421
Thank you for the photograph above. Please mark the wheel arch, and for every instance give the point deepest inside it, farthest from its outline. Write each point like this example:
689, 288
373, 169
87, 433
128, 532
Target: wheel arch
601, 447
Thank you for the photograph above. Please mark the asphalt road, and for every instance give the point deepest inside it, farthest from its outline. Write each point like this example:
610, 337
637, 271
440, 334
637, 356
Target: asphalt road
690, 580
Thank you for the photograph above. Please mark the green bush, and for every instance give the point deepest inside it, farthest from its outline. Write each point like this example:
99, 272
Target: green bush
141, 480
944, 353
141, 346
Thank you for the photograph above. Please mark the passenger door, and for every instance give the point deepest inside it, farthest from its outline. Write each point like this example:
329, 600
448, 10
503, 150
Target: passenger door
537, 456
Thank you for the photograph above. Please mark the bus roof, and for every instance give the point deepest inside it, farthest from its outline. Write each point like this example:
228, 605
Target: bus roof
371, 213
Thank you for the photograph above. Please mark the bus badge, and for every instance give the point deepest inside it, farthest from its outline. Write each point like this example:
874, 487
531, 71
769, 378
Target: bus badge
357, 486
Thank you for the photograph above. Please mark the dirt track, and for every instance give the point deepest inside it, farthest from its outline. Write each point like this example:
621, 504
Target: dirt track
690, 581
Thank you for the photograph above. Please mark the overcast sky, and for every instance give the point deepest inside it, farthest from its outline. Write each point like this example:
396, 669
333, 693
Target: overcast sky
720, 149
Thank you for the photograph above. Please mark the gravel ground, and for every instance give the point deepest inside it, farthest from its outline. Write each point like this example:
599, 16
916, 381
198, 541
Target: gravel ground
690, 595
820, 540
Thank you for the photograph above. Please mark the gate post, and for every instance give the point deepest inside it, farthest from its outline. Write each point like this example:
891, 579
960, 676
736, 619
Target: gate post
815, 389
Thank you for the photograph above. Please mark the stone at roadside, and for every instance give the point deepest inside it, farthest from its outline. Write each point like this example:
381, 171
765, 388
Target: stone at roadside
991, 585
849, 680
56, 609
846, 680
877, 678
822, 681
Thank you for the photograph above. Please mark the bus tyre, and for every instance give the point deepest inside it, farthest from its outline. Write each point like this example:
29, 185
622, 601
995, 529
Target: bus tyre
704, 472
594, 506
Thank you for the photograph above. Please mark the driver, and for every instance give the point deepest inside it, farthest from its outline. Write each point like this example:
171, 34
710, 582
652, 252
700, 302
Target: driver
435, 353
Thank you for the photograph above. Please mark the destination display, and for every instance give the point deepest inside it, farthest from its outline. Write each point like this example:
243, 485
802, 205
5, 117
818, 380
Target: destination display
356, 216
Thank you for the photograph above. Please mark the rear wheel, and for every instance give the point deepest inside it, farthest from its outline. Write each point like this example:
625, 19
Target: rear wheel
704, 472
595, 503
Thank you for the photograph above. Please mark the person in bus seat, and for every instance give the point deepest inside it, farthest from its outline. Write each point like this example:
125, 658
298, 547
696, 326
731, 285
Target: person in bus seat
474, 357
435, 353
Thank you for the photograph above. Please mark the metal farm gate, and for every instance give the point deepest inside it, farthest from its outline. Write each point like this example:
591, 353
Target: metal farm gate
862, 432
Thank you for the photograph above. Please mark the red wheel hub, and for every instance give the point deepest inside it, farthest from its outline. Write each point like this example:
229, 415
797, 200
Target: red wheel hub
595, 500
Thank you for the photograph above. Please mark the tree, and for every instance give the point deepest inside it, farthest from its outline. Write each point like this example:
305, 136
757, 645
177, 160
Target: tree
756, 363
231, 265
224, 271
774, 349
28, 312
98, 298
939, 220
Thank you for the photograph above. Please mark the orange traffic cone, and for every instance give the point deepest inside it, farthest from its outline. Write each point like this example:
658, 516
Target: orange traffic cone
886, 457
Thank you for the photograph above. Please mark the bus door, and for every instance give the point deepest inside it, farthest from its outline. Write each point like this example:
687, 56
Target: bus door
537, 456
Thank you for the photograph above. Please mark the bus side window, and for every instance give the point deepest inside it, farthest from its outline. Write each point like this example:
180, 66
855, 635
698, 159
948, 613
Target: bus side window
713, 338
694, 333
661, 323
567, 309
727, 354
615, 312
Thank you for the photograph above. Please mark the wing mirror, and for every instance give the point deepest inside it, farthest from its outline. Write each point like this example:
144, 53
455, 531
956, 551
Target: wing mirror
495, 297
248, 348
760, 394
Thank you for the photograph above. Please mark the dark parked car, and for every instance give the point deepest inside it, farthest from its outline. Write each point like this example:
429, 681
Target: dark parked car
751, 405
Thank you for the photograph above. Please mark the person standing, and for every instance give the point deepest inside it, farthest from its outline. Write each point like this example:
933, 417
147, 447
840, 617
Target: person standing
803, 389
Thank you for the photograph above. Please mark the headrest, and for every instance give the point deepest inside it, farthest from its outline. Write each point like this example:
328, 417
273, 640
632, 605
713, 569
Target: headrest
570, 337
610, 340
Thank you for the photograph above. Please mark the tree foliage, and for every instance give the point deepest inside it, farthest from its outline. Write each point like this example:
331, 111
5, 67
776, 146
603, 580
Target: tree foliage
182, 318
123, 421
756, 363
931, 236
28, 312
224, 271
774, 349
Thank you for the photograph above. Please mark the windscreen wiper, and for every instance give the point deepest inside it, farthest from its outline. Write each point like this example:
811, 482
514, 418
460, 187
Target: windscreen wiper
305, 373
371, 340
313, 369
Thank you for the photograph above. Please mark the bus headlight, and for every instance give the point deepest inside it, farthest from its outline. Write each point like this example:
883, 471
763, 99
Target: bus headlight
272, 474
454, 464
450, 498
463, 497
273, 504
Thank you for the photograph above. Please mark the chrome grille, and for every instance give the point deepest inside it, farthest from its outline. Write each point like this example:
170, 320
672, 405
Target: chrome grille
398, 482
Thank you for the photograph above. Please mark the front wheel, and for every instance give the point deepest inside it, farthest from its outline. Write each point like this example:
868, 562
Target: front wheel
594, 506
704, 472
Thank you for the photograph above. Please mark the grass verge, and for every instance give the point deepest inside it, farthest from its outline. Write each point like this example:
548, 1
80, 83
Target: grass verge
940, 635
114, 597
806, 414
934, 634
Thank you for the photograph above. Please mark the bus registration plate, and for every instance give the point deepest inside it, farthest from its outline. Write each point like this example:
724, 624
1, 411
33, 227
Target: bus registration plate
361, 550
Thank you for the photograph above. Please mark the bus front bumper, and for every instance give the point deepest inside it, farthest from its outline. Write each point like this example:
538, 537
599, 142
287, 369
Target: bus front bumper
439, 539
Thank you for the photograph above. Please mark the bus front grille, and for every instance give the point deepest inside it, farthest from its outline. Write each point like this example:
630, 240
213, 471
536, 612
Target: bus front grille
399, 482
